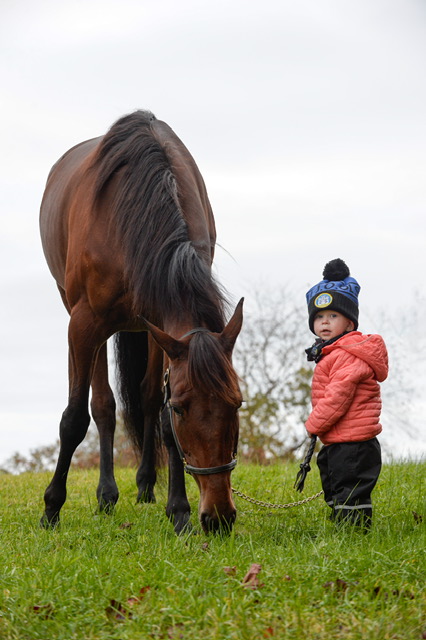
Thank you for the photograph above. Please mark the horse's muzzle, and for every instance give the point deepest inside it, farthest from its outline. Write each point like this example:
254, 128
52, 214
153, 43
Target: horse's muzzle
218, 523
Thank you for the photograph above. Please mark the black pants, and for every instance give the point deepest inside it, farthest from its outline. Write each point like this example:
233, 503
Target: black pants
349, 472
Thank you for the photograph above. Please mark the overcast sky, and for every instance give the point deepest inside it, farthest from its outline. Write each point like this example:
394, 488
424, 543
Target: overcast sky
307, 121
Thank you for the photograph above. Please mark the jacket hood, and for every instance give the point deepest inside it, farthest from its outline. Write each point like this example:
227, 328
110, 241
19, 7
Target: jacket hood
370, 348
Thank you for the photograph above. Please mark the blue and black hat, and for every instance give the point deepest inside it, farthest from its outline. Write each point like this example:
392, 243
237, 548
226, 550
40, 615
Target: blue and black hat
337, 292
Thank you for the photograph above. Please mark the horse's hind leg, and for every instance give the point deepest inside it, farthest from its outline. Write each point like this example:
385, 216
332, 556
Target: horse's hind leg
151, 402
103, 412
75, 419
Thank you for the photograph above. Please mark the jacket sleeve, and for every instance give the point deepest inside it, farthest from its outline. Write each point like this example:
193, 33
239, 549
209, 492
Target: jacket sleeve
346, 372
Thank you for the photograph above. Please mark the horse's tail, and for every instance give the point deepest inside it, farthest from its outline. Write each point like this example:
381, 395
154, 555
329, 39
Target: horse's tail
131, 357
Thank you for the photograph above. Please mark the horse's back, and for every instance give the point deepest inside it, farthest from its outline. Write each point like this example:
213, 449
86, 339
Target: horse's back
193, 196
64, 179
93, 197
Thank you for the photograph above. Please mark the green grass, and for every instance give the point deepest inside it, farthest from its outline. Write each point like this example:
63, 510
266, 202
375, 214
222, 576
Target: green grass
316, 582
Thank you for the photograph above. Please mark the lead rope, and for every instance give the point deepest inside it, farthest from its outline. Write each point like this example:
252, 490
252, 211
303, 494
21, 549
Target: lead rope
298, 485
305, 466
271, 505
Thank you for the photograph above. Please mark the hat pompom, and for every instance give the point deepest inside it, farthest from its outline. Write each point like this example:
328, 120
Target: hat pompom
336, 270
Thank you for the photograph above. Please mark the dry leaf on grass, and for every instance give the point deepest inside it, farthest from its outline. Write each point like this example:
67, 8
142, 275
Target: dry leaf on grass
395, 592
45, 611
251, 580
135, 600
117, 612
268, 633
176, 631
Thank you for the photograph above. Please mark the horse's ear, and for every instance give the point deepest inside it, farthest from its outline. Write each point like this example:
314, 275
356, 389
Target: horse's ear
232, 329
174, 349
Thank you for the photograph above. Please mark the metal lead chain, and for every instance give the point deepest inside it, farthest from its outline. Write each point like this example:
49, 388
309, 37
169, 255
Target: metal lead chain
270, 505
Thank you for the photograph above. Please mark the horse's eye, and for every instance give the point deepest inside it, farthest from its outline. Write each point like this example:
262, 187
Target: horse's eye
177, 410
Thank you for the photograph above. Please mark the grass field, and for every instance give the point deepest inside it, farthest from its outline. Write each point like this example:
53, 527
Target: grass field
128, 577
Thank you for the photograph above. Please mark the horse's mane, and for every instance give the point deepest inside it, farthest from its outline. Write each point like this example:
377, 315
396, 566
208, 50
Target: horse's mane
164, 272
210, 369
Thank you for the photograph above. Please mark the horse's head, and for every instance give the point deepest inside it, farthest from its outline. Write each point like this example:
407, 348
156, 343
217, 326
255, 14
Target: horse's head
203, 394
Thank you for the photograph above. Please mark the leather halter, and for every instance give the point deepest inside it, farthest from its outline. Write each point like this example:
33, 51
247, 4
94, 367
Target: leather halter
204, 471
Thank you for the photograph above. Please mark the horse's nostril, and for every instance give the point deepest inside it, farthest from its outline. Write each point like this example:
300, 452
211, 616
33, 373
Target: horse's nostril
209, 524
204, 521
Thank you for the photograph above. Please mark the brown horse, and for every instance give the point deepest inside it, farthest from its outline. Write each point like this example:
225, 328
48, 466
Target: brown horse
129, 235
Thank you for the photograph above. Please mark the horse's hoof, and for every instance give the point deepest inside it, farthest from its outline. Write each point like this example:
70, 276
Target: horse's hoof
107, 507
107, 499
185, 529
181, 523
49, 523
146, 496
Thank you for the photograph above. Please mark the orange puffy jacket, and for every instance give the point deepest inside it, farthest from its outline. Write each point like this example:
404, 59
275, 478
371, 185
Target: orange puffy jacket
346, 400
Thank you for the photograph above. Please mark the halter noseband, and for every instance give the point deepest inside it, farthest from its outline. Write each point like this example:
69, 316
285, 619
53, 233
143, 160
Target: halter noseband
203, 471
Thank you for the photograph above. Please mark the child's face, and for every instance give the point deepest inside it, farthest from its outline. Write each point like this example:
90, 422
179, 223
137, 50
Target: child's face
329, 324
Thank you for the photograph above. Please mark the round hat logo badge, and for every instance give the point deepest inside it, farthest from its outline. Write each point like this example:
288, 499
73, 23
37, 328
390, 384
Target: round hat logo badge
323, 300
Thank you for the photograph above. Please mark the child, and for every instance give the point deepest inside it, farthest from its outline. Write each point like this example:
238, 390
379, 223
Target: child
346, 401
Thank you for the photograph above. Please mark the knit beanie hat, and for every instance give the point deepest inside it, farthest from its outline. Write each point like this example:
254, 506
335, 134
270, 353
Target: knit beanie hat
337, 292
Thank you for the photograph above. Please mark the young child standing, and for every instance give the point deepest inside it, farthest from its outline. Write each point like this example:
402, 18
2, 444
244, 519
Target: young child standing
346, 402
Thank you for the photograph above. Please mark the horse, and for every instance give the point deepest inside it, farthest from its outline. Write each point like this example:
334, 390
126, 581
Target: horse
128, 234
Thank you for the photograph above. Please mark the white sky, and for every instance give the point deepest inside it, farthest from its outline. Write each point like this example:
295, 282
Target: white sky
307, 120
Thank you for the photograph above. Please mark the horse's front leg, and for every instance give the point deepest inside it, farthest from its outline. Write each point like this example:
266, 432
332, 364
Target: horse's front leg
103, 412
178, 510
72, 430
75, 419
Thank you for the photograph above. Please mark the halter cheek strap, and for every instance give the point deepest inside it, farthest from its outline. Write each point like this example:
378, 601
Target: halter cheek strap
202, 471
